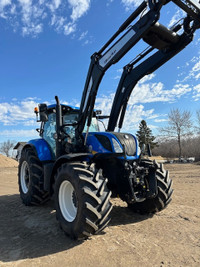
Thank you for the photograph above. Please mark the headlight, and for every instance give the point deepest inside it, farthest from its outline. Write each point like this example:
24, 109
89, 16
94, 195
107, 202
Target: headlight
139, 150
117, 147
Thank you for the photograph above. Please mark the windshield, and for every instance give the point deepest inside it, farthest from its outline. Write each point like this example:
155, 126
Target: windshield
70, 120
94, 127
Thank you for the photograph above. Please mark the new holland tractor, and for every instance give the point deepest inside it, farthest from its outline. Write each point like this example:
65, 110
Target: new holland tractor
80, 167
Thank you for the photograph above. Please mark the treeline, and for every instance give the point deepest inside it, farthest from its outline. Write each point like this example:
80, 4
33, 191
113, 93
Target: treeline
170, 148
180, 138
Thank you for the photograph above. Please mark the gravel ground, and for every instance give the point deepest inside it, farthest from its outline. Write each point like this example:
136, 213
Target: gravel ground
30, 236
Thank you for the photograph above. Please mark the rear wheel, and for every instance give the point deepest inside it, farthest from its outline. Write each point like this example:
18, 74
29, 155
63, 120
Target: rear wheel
81, 200
164, 189
30, 179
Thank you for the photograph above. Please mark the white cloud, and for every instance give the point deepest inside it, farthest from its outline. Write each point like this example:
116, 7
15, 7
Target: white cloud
54, 5
104, 103
17, 134
3, 5
196, 67
177, 16
194, 72
197, 76
134, 113
109, 2
58, 22
85, 38
147, 78
161, 120
79, 8
144, 92
18, 113
120, 70
197, 88
196, 95
21, 113
83, 35
69, 28
30, 16
129, 4
117, 77
155, 92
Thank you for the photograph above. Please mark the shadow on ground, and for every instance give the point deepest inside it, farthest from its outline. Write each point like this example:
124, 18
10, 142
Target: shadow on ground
30, 232
123, 215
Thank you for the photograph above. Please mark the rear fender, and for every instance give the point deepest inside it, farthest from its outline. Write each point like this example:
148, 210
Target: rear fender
41, 149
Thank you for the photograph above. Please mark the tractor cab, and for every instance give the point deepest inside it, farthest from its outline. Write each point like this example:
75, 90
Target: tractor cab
68, 120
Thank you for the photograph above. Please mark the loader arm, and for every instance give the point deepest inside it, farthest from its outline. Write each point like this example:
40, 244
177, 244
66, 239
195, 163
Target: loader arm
173, 44
107, 56
118, 46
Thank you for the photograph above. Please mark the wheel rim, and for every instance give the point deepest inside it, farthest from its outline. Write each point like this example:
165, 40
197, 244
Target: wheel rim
67, 201
25, 177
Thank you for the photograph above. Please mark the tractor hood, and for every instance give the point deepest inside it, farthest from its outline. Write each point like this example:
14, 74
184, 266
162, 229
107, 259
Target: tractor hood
112, 142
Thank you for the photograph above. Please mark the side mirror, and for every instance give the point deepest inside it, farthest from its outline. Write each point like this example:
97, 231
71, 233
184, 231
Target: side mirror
43, 112
97, 112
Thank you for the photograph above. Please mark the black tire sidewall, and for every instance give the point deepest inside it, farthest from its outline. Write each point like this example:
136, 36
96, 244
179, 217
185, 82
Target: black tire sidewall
36, 194
26, 197
69, 175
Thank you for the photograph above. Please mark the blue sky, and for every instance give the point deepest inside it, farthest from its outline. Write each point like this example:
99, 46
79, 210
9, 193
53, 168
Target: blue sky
45, 49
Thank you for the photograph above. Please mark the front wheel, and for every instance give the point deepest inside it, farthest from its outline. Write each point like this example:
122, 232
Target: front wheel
164, 191
81, 200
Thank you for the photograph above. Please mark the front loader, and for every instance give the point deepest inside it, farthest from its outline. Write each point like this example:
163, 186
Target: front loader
80, 167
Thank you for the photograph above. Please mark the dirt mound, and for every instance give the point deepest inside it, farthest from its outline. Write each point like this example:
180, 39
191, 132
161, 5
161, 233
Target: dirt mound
7, 162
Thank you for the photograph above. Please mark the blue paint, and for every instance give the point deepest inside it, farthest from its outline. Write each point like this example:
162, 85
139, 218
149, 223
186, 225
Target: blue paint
93, 142
96, 147
45, 154
42, 148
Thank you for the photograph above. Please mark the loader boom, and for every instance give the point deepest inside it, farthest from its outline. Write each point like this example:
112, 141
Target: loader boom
102, 60
113, 51
131, 75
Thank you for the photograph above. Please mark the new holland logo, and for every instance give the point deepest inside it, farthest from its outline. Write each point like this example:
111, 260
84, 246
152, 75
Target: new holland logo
126, 136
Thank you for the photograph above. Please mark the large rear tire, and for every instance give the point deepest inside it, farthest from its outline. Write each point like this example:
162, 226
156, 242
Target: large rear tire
30, 179
164, 188
81, 200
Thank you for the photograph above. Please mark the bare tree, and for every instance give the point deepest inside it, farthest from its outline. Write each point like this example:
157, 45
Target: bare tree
198, 120
180, 125
169, 148
6, 146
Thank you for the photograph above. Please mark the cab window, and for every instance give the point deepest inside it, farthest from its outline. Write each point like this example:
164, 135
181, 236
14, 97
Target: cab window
49, 132
94, 127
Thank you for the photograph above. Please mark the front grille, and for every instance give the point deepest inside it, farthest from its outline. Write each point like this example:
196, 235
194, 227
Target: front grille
128, 141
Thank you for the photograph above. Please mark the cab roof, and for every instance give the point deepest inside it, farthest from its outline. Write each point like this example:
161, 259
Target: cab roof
64, 107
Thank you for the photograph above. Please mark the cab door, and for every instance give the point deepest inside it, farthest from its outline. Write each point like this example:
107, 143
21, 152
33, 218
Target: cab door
49, 131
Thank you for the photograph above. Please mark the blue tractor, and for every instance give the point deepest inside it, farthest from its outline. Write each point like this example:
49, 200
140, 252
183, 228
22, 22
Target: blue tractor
80, 167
